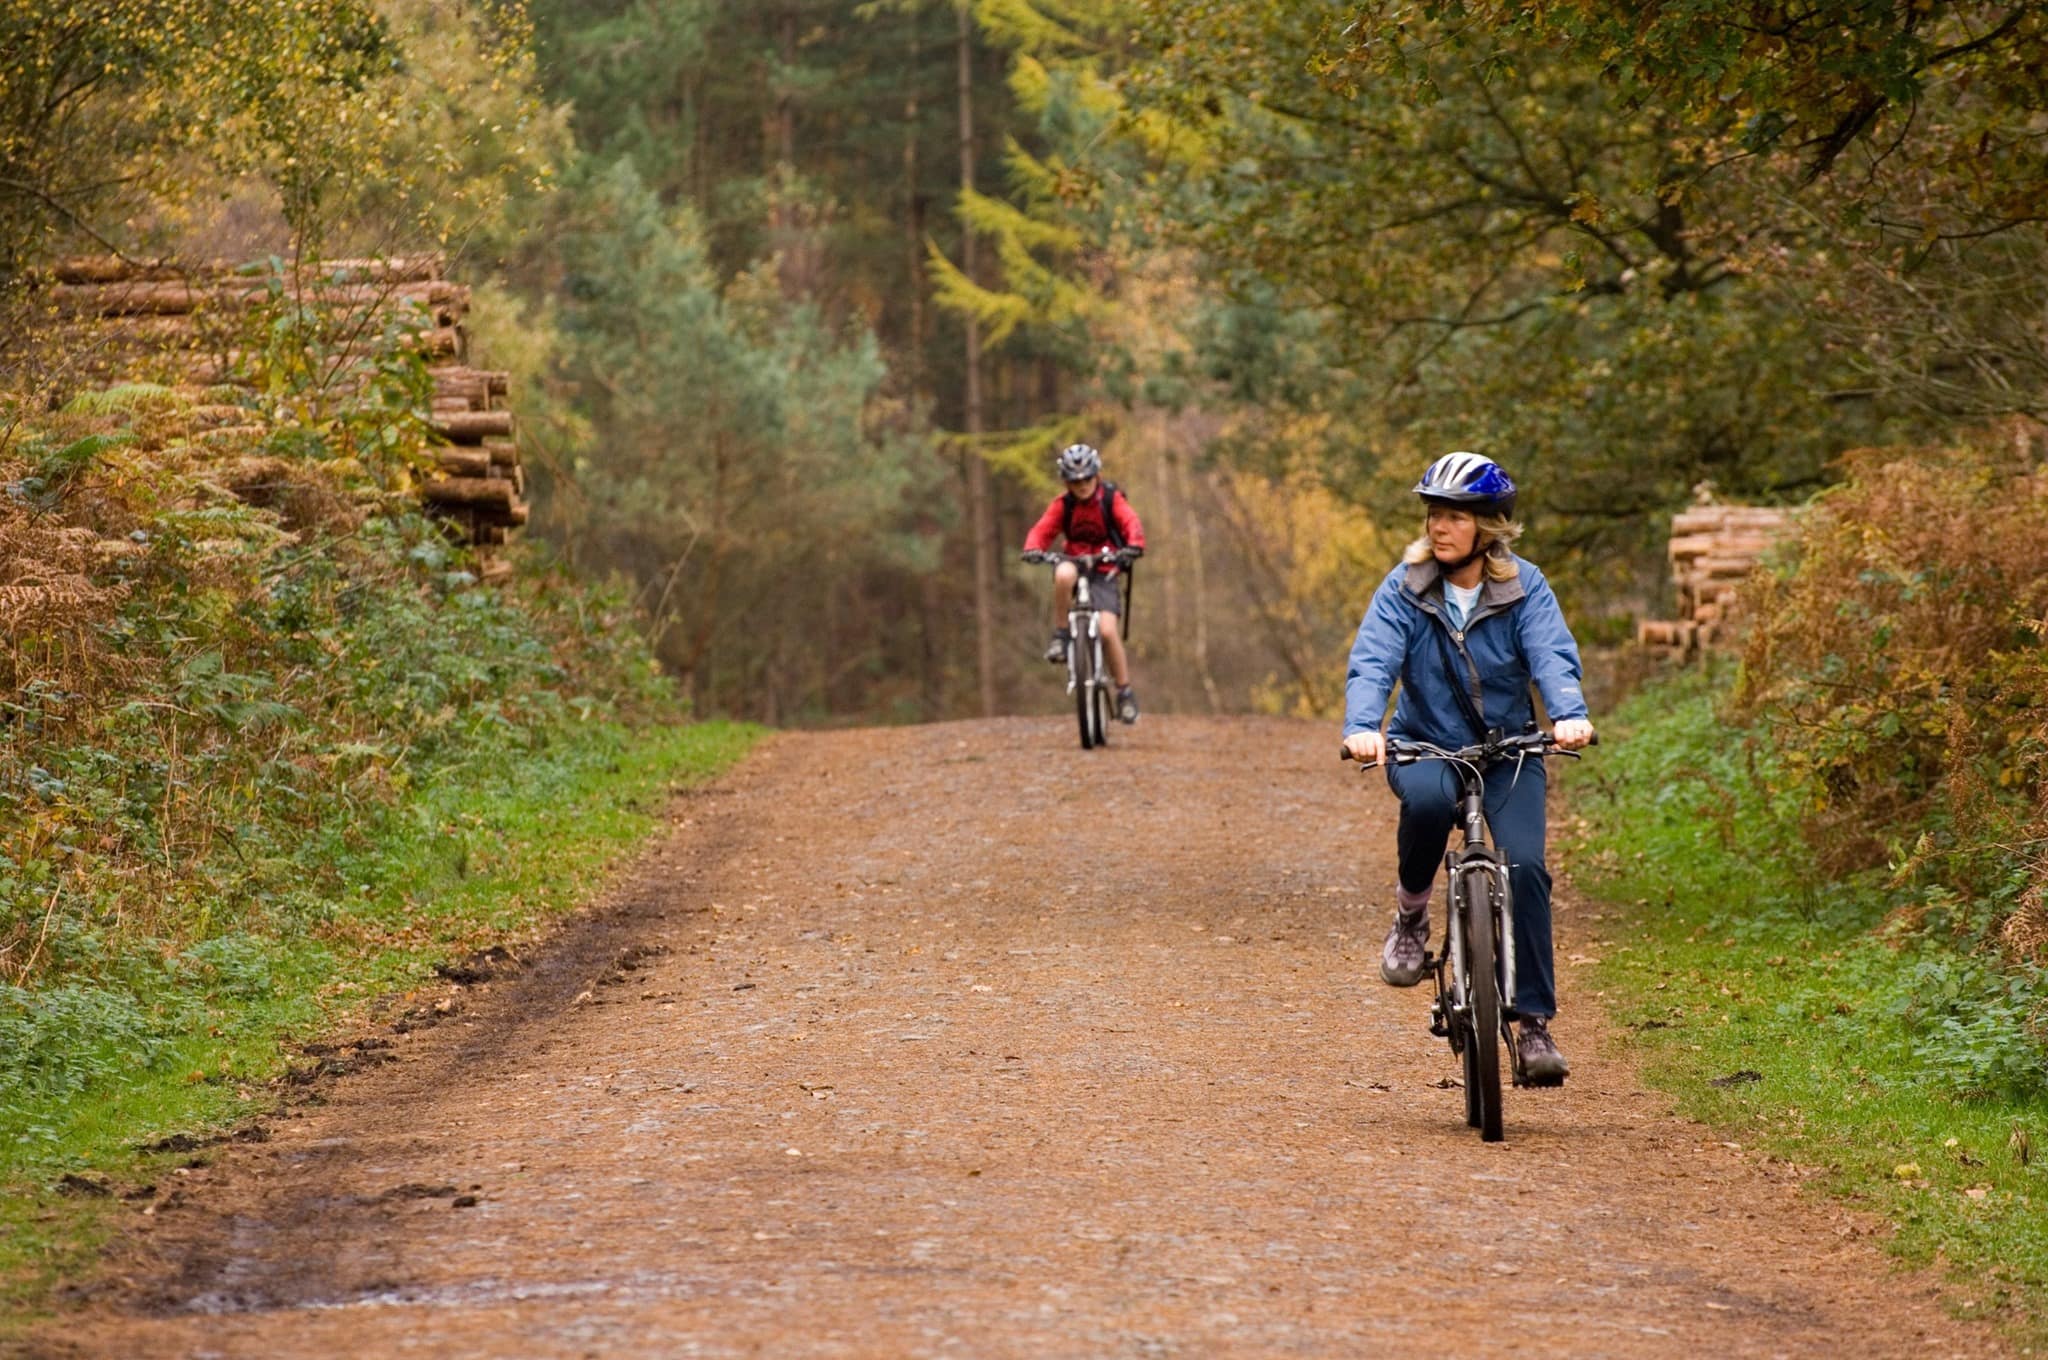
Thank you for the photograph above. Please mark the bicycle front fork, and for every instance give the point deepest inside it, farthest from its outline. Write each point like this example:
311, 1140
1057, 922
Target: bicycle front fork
1081, 633
1462, 880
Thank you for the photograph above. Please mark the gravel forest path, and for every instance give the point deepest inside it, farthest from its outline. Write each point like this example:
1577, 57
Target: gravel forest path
953, 1041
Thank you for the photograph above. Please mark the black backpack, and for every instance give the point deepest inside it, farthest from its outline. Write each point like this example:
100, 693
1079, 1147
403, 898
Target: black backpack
1108, 492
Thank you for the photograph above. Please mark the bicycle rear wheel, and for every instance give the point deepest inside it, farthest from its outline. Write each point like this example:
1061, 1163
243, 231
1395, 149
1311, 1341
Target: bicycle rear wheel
1083, 656
1482, 1047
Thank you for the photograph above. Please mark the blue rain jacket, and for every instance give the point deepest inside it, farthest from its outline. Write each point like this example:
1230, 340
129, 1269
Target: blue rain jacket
1516, 634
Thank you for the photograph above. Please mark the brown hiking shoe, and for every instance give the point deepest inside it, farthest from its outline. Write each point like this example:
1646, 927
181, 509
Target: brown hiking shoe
1536, 1054
1407, 949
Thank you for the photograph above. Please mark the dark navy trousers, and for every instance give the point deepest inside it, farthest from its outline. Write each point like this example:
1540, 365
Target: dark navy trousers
1428, 791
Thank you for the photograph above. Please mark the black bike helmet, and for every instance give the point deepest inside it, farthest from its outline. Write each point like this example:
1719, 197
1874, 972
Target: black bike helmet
1077, 461
1470, 482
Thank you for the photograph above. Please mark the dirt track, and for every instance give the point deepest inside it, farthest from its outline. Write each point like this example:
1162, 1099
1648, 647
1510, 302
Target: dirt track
895, 1070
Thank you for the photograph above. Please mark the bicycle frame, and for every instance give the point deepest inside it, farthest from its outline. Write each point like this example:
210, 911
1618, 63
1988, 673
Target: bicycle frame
1477, 1018
1088, 683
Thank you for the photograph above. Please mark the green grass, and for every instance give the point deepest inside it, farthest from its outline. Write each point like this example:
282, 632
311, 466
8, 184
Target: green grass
1852, 1031
93, 1072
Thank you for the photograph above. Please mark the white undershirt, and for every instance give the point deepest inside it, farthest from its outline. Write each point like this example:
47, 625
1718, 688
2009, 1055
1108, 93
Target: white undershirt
1460, 600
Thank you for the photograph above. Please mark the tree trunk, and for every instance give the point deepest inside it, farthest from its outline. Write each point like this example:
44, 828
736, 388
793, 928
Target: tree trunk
913, 216
931, 590
980, 508
1191, 526
785, 104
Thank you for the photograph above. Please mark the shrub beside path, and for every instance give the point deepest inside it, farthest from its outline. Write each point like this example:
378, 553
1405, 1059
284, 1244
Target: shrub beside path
957, 1041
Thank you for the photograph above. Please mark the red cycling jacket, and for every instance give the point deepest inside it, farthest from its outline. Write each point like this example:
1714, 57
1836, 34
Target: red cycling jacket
1090, 531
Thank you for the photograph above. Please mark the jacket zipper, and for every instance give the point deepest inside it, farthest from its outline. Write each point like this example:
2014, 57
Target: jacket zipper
1458, 638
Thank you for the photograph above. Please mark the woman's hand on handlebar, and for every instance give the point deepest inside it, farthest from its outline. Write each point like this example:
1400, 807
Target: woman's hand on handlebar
1367, 747
1572, 733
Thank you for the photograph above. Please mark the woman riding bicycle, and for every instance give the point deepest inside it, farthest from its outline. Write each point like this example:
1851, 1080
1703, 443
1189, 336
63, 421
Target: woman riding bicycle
1465, 626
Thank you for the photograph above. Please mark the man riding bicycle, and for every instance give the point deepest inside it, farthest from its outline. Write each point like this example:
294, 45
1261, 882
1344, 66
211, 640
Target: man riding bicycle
1465, 625
1093, 515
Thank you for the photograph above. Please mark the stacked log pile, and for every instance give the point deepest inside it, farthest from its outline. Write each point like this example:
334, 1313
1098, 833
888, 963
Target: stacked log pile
1713, 550
186, 324
478, 481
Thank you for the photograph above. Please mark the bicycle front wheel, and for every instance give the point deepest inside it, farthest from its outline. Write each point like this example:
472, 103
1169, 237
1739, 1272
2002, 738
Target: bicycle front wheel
1083, 653
1101, 706
1482, 997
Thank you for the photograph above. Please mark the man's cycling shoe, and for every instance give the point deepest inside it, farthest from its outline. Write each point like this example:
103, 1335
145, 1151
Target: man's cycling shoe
1407, 949
1537, 1055
1056, 650
1127, 705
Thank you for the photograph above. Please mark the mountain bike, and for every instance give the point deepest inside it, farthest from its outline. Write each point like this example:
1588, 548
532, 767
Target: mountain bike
1088, 679
1474, 975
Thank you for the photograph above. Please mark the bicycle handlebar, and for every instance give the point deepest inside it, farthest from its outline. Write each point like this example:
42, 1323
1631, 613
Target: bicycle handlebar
1485, 753
1086, 561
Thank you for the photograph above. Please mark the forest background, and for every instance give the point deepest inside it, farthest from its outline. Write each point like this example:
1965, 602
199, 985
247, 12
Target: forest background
800, 298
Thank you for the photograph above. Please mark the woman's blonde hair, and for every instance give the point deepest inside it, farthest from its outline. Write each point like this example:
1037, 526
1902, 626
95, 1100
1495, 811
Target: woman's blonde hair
1497, 532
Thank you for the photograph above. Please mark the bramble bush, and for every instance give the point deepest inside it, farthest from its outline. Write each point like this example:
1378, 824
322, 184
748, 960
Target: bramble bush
1699, 822
1900, 661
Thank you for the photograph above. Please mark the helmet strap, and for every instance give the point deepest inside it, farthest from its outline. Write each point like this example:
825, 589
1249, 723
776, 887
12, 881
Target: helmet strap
1469, 558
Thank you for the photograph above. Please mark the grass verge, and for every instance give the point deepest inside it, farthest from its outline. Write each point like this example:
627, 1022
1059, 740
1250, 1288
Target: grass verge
1837, 1025
188, 1044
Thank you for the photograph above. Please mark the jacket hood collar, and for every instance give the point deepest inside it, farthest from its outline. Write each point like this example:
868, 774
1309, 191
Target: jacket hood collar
1423, 580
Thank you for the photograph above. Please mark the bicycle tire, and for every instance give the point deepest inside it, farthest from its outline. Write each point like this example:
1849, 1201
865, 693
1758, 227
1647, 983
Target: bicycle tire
1101, 705
1473, 1113
1461, 1035
1482, 983
1084, 687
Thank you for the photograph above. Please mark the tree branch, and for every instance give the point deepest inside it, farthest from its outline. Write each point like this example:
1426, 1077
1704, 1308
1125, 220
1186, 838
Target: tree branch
65, 211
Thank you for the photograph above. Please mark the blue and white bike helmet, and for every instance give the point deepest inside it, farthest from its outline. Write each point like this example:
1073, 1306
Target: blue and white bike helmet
1077, 461
1470, 482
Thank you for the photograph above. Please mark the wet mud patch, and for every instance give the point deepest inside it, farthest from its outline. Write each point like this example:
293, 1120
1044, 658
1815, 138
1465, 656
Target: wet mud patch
485, 965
